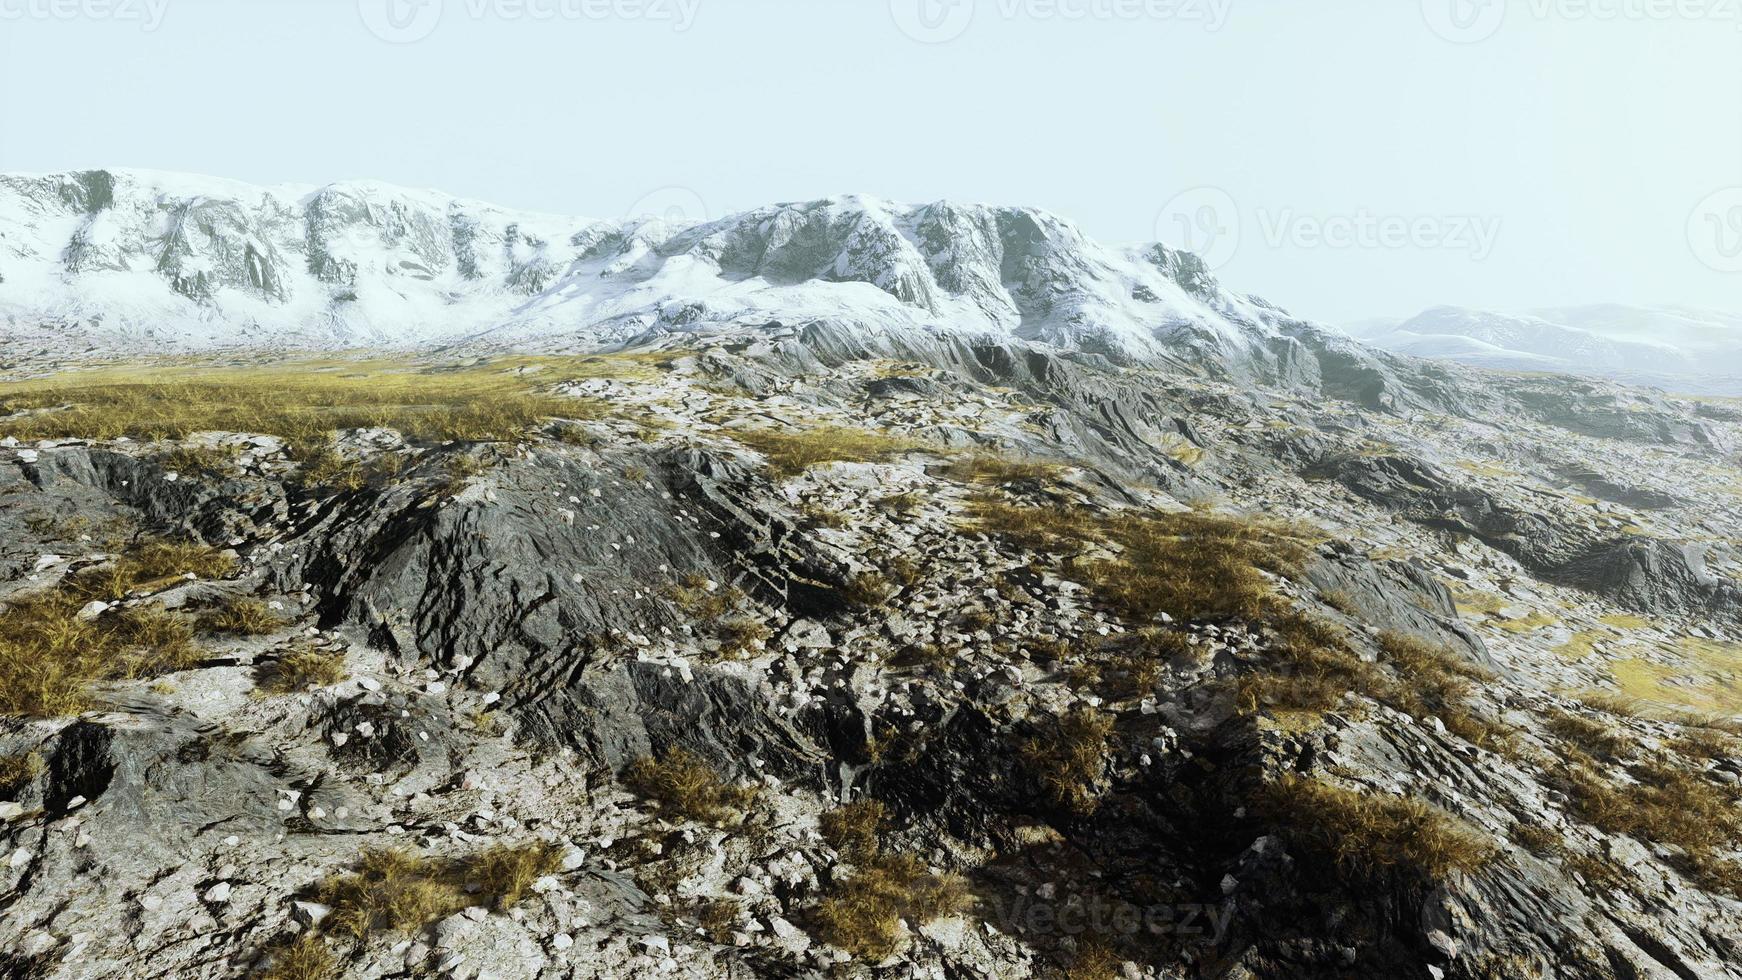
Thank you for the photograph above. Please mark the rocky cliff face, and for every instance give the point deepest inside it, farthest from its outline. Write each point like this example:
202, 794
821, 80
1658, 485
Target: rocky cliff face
795, 649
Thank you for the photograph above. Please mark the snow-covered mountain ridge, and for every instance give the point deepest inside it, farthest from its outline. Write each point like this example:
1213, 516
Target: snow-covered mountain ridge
132, 257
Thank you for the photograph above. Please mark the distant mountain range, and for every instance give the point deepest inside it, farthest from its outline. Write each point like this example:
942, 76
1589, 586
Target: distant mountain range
171, 259
130, 261
1678, 348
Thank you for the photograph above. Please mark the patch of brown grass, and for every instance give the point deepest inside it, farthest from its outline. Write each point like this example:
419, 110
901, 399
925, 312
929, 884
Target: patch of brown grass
1589, 735
901, 504
396, 890
824, 517
1367, 837
713, 609
200, 460
393, 890
1707, 743
694, 597
862, 913
240, 616
1194, 565
308, 958
301, 401
741, 635
1312, 666
855, 829
49, 656
1665, 805
1069, 762
685, 786
1135, 672
1538, 840
301, 668
792, 451
323, 467
151, 562
1094, 960
988, 469
718, 918
506, 872
1434, 682
868, 590
16, 770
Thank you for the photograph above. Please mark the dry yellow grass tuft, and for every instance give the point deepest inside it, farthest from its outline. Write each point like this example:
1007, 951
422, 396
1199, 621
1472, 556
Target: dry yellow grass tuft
206, 461
305, 959
792, 451
301, 668
698, 600
862, 914
399, 891
855, 829
1310, 668
507, 872
16, 770
1366, 837
50, 654
1134, 673
303, 401
1665, 805
719, 917
240, 616
1589, 735
1094, 960
740, 636
1192, 565
391, 889
716, 610
149, 563
868, 590
1069, 762
686, 786
985, 468
1435, 682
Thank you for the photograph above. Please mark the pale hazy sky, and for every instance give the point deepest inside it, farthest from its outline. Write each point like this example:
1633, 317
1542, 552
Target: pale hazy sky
1355, 158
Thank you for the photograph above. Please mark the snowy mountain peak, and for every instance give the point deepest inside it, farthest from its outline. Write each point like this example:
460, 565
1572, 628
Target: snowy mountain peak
124, 255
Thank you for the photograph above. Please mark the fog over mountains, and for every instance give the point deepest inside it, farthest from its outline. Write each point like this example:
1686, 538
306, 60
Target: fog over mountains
1679, 348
